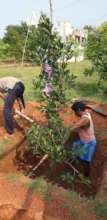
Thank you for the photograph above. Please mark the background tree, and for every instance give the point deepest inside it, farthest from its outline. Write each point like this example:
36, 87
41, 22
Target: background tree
96, 51
88, 28
77, 50
15, 37
31, 54
4, 55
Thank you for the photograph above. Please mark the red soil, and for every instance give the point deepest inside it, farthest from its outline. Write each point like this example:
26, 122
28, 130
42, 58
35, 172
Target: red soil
19, 203
100, 156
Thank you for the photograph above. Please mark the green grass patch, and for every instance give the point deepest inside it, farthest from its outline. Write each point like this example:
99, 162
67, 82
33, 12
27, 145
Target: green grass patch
67, 177
41, 186
100, 209
24, 73
3, 146
13, 177
85, 86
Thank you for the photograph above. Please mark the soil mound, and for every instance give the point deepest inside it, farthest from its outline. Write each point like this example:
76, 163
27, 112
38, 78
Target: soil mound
17, 202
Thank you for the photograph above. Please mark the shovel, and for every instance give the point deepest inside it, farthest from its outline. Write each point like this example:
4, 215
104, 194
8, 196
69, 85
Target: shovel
22, 115
96, 109
91, 106
17, 112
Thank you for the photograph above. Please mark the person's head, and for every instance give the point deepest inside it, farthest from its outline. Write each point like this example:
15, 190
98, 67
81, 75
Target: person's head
78, 107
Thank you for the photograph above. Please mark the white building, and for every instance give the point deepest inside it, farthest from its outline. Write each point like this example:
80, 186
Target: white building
80, 36
64, 29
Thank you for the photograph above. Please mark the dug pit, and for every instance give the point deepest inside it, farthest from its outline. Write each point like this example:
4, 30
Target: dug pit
15, 157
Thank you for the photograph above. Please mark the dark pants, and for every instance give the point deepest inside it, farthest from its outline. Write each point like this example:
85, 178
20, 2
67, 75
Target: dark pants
8, 116
8, 113
13, 94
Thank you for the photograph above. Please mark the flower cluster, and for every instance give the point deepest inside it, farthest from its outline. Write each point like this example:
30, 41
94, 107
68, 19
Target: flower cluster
47, 89
47, 69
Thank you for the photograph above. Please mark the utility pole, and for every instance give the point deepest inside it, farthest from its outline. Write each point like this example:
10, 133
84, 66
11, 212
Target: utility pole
51, 10
26, 38
24, 48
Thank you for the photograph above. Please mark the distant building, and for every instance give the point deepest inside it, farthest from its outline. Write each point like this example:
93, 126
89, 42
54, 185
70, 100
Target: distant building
80, 36
64, 29
68, 29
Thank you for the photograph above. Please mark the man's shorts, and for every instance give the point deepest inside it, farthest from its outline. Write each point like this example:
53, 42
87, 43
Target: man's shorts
84, 150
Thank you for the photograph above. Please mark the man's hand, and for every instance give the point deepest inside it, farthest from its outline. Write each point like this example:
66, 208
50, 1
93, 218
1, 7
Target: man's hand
2, 96
21, 109
20, 105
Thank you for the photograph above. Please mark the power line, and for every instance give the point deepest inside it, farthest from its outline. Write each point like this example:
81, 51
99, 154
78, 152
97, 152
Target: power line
24, 48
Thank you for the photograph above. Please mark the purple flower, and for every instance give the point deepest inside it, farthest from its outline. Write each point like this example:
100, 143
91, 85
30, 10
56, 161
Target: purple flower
47, 89
47, 69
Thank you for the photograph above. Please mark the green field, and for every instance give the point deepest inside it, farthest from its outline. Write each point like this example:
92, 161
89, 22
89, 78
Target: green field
84, 87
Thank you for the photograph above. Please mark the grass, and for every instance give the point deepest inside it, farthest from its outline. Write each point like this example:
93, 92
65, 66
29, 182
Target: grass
75, 204
84, 87
100, 209
24, 73
41, 186
13, 177
3, 146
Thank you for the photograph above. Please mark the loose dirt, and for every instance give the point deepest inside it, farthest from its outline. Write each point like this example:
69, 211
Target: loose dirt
100, 123
17, 202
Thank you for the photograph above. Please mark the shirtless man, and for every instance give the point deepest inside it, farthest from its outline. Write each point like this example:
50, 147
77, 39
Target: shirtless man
85, 129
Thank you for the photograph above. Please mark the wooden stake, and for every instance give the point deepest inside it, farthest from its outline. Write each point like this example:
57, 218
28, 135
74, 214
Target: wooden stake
40, 162
18, 112
70, 165
24, 116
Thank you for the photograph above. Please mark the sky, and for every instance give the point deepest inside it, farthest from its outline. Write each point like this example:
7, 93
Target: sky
78, 12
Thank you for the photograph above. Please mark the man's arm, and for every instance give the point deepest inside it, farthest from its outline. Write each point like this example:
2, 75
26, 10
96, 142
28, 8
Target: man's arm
81, 123
20, 104
2, 95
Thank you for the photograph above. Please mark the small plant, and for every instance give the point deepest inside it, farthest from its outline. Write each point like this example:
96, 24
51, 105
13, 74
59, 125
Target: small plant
73, 195
39, 185
12, 177
100, 209
3, 146
85, 180
72, 204
67, 177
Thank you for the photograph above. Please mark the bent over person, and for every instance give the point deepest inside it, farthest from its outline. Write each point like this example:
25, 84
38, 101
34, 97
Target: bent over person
86, 138
11, 89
